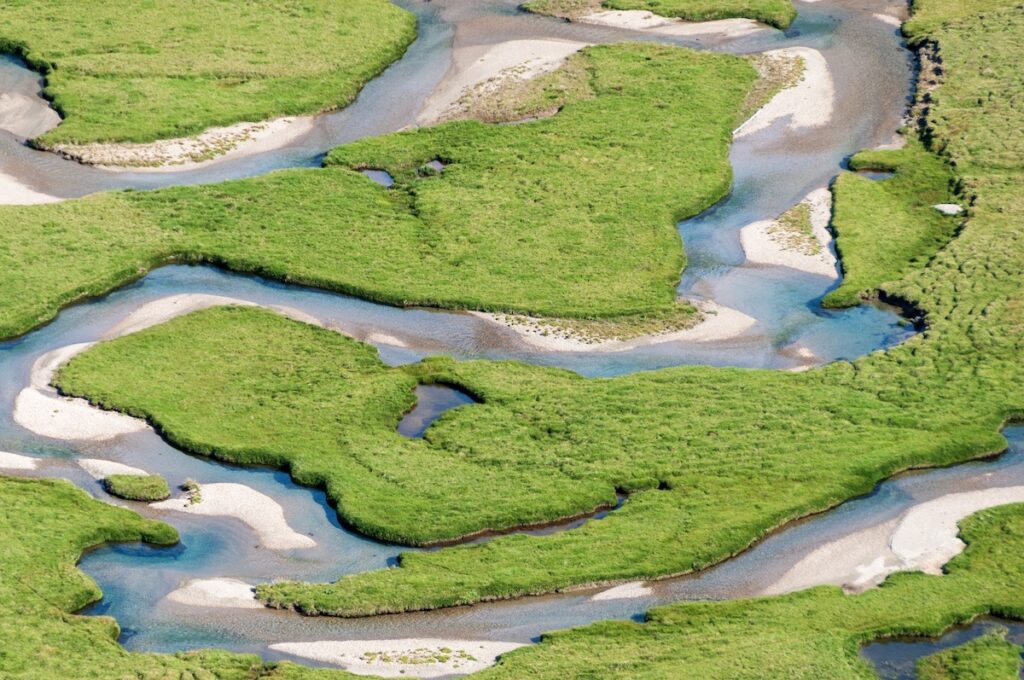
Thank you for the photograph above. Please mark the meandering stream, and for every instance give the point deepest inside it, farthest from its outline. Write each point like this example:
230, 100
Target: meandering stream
774, 169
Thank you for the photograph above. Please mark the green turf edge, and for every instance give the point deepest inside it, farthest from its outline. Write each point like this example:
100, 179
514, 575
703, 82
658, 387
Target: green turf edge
137, 487
129, 126
989, 657
777, 13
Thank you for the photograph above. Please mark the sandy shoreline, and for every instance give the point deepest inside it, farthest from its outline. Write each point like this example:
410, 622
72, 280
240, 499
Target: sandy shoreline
260, 512
763, 245
649, 22
478, 70
626, 591
412, 657
167, 308
13, 192
720, 323
41, 410
808, 104
924, 538
187, 153
100, 469
225, 593
16, 461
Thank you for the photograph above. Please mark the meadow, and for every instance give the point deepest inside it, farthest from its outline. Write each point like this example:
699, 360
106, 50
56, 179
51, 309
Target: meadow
569, 216
713, 458
989, 657
179, 67
45, 526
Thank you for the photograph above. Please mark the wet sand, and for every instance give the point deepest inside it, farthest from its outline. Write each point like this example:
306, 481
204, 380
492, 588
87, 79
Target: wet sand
477, 70
260, 512
422, 656
763, 245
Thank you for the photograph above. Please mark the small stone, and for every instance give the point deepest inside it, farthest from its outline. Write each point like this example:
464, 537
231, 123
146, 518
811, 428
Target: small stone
948, 208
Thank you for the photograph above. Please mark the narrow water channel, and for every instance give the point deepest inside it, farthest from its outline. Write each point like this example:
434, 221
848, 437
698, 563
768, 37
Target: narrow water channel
774, 169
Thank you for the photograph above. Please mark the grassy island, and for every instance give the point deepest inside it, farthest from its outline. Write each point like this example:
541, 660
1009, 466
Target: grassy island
137, 487
713, 458
807, 635
177, 67
45, 526
570, 216
778, 13
989, 657
811, 634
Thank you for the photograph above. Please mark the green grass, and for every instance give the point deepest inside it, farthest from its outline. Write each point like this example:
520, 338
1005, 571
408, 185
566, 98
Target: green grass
989, 657
887, 228
714, 457
131, 71
571, 216
45, 525
137, 487
778, 13
807, 635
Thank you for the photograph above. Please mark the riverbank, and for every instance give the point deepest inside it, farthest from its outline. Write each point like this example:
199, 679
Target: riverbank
799, 238
333, 227
777, 13
160, 81
482, 71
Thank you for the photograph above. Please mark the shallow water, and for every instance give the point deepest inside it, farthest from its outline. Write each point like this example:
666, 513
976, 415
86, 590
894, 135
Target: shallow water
774, 169
431, 402
897, 659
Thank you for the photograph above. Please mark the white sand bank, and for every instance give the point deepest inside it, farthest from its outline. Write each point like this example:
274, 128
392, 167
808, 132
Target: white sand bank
720, 323
167, 308
626, 591
13, 192
484, 68
422, 657
212, 145
16, 461
377, 338
216, 592
889, 19
855, 562
808, 104
648, 22
764, 242
261, 512
99, 468
26, 115
39, 409
926, 537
